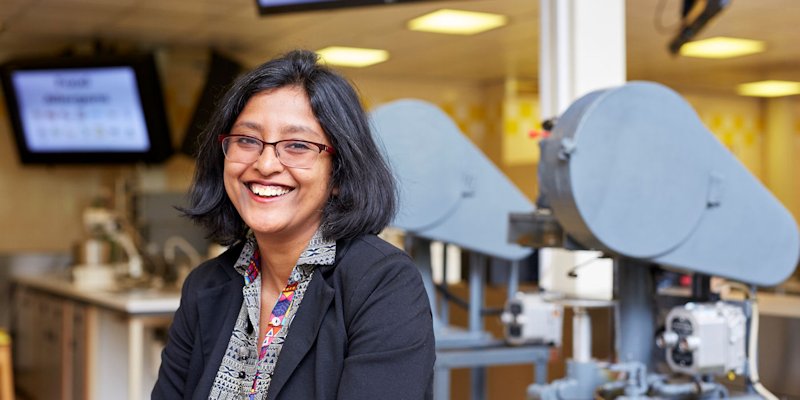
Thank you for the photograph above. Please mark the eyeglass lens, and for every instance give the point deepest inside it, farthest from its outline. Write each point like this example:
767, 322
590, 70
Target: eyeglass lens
291, 153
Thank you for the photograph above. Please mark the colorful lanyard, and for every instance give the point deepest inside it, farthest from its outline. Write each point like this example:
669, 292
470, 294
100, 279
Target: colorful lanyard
276, 318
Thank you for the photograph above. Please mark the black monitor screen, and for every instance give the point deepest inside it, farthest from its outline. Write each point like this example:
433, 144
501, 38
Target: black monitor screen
222, 71
266, 7
86, 110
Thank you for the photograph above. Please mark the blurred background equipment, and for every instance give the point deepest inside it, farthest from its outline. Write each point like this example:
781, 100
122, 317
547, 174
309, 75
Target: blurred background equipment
630, 171
222, 71
269, 7
692, 341
451, 193
106, 229
102, 108
695, 14
530, 319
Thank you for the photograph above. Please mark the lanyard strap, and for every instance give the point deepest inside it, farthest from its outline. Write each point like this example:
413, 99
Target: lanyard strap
274, 325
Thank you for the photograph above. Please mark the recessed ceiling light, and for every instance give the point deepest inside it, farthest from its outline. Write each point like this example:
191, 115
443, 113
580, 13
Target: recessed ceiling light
721, 47
457, 22
770, 88
352, 56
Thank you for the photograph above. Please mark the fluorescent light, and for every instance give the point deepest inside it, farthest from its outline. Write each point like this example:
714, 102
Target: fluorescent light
770, 88
721, 47
457, 22
352, 56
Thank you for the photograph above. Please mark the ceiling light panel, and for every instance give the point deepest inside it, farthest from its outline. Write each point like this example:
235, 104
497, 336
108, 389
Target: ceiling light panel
457, 22
352, 56
722, 47
771, 88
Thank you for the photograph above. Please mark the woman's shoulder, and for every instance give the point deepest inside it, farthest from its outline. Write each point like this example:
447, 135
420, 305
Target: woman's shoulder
371, 265
369, 256
214, 271
368, 248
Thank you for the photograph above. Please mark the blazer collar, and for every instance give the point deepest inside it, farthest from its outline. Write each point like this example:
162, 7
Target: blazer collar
305, 326
226, 299
217, 308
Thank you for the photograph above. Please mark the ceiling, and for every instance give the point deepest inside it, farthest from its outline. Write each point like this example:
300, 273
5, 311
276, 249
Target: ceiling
34, 27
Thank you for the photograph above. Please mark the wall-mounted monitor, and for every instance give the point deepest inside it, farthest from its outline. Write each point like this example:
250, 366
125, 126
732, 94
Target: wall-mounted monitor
86, 109
267, 7
695, 15
222, 71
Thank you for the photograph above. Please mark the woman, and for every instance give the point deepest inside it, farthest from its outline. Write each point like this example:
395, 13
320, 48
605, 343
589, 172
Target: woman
307, 303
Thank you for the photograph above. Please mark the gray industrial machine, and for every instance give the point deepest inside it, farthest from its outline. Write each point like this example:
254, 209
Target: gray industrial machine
450, 192
632, 172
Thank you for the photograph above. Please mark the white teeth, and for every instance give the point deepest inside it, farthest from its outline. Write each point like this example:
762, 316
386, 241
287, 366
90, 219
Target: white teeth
268, 191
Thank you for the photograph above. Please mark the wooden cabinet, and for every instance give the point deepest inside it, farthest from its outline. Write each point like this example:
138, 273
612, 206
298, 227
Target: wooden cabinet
49, 346
73, 348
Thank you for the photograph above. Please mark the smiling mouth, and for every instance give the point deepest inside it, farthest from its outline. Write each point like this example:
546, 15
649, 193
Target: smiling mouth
268, 191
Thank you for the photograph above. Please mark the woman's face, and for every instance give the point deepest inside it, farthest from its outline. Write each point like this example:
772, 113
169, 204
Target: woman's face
290, 201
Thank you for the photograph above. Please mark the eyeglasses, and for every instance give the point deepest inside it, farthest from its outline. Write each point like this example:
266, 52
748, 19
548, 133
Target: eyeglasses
291, 153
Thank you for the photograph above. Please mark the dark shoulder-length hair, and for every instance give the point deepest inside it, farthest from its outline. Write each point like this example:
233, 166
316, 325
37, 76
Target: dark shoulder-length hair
365, 196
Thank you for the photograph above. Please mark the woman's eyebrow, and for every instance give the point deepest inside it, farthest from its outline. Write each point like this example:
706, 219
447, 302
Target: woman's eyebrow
249, 125
292, 128
285, 130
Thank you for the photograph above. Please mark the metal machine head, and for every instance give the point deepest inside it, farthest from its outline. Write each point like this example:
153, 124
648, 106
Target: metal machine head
633, 172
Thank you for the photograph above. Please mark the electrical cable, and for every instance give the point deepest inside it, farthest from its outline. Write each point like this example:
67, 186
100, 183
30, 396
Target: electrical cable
752, 366
752, 344
573, 272
449, 296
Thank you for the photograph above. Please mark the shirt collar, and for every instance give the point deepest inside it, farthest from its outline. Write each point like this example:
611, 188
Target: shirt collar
318, 252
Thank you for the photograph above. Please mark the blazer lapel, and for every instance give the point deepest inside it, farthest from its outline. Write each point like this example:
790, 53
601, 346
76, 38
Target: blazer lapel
303, 331
217, 308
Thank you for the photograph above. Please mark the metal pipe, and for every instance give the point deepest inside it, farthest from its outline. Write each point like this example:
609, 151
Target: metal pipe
581, 335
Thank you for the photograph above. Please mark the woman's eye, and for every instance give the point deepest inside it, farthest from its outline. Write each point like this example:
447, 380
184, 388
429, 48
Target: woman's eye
297, 146
247, 141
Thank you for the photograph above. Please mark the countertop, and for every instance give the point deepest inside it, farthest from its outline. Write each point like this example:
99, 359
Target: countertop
165, 301
126, 300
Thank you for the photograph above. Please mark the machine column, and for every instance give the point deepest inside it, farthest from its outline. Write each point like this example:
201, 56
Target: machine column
635, 314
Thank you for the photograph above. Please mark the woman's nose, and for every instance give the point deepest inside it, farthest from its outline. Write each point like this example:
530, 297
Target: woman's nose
268, 162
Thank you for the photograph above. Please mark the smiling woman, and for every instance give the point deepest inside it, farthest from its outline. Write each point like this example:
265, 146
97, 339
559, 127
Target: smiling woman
293, 210
307, 303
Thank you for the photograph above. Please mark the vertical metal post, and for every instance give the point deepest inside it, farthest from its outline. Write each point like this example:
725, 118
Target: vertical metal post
444, 308
513, 279
573, 36
477, 270
581, 335
441, 383
420, 250
540, 368
635, 315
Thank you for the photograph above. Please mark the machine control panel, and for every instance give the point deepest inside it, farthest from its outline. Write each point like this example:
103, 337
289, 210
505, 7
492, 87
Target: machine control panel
705, 338
530, 319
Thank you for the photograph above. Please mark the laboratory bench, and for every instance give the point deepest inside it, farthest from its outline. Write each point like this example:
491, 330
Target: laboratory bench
73, 342
77, 342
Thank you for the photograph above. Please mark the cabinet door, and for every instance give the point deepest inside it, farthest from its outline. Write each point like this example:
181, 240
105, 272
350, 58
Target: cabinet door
43, 346
24, 318
80, 350
50, 356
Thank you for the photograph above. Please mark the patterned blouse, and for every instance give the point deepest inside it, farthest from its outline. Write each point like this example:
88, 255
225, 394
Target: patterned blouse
246, 368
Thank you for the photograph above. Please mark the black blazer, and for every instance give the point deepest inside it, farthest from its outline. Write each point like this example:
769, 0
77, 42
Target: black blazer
363, 331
